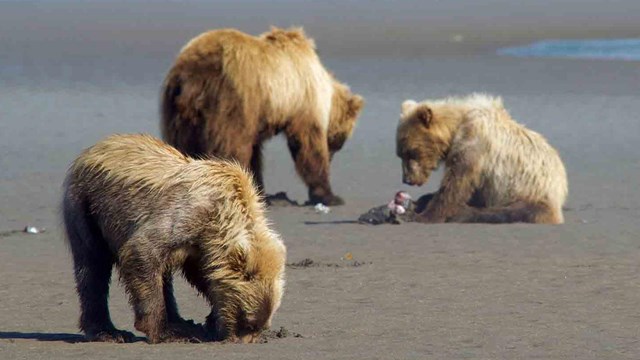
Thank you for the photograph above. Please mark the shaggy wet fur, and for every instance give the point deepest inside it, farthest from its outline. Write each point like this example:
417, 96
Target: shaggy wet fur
137, 203
229, 92
496, 170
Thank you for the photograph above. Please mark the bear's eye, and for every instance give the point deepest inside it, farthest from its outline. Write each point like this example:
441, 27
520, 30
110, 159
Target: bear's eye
412, 154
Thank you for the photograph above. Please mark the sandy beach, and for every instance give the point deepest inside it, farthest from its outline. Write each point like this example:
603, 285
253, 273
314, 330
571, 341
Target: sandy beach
72, 73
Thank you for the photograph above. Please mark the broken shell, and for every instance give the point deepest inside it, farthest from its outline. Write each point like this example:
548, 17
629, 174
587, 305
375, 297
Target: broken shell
33, 230
321, 208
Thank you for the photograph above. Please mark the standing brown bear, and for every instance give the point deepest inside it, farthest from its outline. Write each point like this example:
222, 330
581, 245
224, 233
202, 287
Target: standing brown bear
229, 92
496, 170
133, 201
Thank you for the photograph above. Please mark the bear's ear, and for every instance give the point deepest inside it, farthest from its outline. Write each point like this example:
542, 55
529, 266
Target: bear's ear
425, 115
407, 107
238, 256
356, 102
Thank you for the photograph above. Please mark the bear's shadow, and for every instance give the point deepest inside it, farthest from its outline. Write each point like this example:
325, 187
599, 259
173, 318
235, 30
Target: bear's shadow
280, 199
61, 337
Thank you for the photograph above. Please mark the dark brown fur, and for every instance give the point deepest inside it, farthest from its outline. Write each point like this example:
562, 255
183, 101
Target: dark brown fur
206, 113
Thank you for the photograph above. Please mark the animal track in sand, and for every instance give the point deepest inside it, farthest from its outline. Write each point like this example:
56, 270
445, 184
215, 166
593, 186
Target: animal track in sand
309, 263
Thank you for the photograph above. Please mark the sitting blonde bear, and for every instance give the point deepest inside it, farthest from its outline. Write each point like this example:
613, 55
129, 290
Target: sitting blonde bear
496, 170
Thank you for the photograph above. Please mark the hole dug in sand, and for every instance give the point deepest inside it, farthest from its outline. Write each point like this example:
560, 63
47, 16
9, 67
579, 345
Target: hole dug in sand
278, 334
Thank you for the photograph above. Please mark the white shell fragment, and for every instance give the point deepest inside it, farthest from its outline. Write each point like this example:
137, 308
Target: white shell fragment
321, 208
33, 230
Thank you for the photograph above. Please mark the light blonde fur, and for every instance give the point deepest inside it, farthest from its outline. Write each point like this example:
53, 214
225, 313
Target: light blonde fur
511, 162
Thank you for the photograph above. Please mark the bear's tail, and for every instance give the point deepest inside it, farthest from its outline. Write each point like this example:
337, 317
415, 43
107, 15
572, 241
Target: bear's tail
182, 121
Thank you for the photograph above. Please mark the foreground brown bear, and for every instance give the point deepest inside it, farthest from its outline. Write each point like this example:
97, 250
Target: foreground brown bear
496, 170
133, 201
228, 92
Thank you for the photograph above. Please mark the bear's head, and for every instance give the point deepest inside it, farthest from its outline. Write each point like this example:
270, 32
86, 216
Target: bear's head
249, 291
345, 109
422, 141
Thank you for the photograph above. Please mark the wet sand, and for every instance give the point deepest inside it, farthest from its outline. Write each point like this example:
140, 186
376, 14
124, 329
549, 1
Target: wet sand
422, 291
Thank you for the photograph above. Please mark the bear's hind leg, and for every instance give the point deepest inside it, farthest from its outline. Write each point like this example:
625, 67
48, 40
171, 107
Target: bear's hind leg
543, 213
520, 211
92, 261
93, 278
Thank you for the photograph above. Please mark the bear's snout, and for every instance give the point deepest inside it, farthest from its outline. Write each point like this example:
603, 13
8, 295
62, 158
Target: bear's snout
411, 182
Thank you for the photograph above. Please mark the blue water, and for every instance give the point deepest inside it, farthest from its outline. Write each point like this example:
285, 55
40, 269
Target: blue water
610, 49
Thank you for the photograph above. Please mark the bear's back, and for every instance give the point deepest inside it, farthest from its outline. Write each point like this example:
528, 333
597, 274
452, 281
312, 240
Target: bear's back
136, 159
276, 74
518, 162
137, 183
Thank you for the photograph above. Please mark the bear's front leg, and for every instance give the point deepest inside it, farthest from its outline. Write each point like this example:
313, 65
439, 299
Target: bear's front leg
309, 149
151, 314
174, 320
323, 194
460, 180
143, 277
